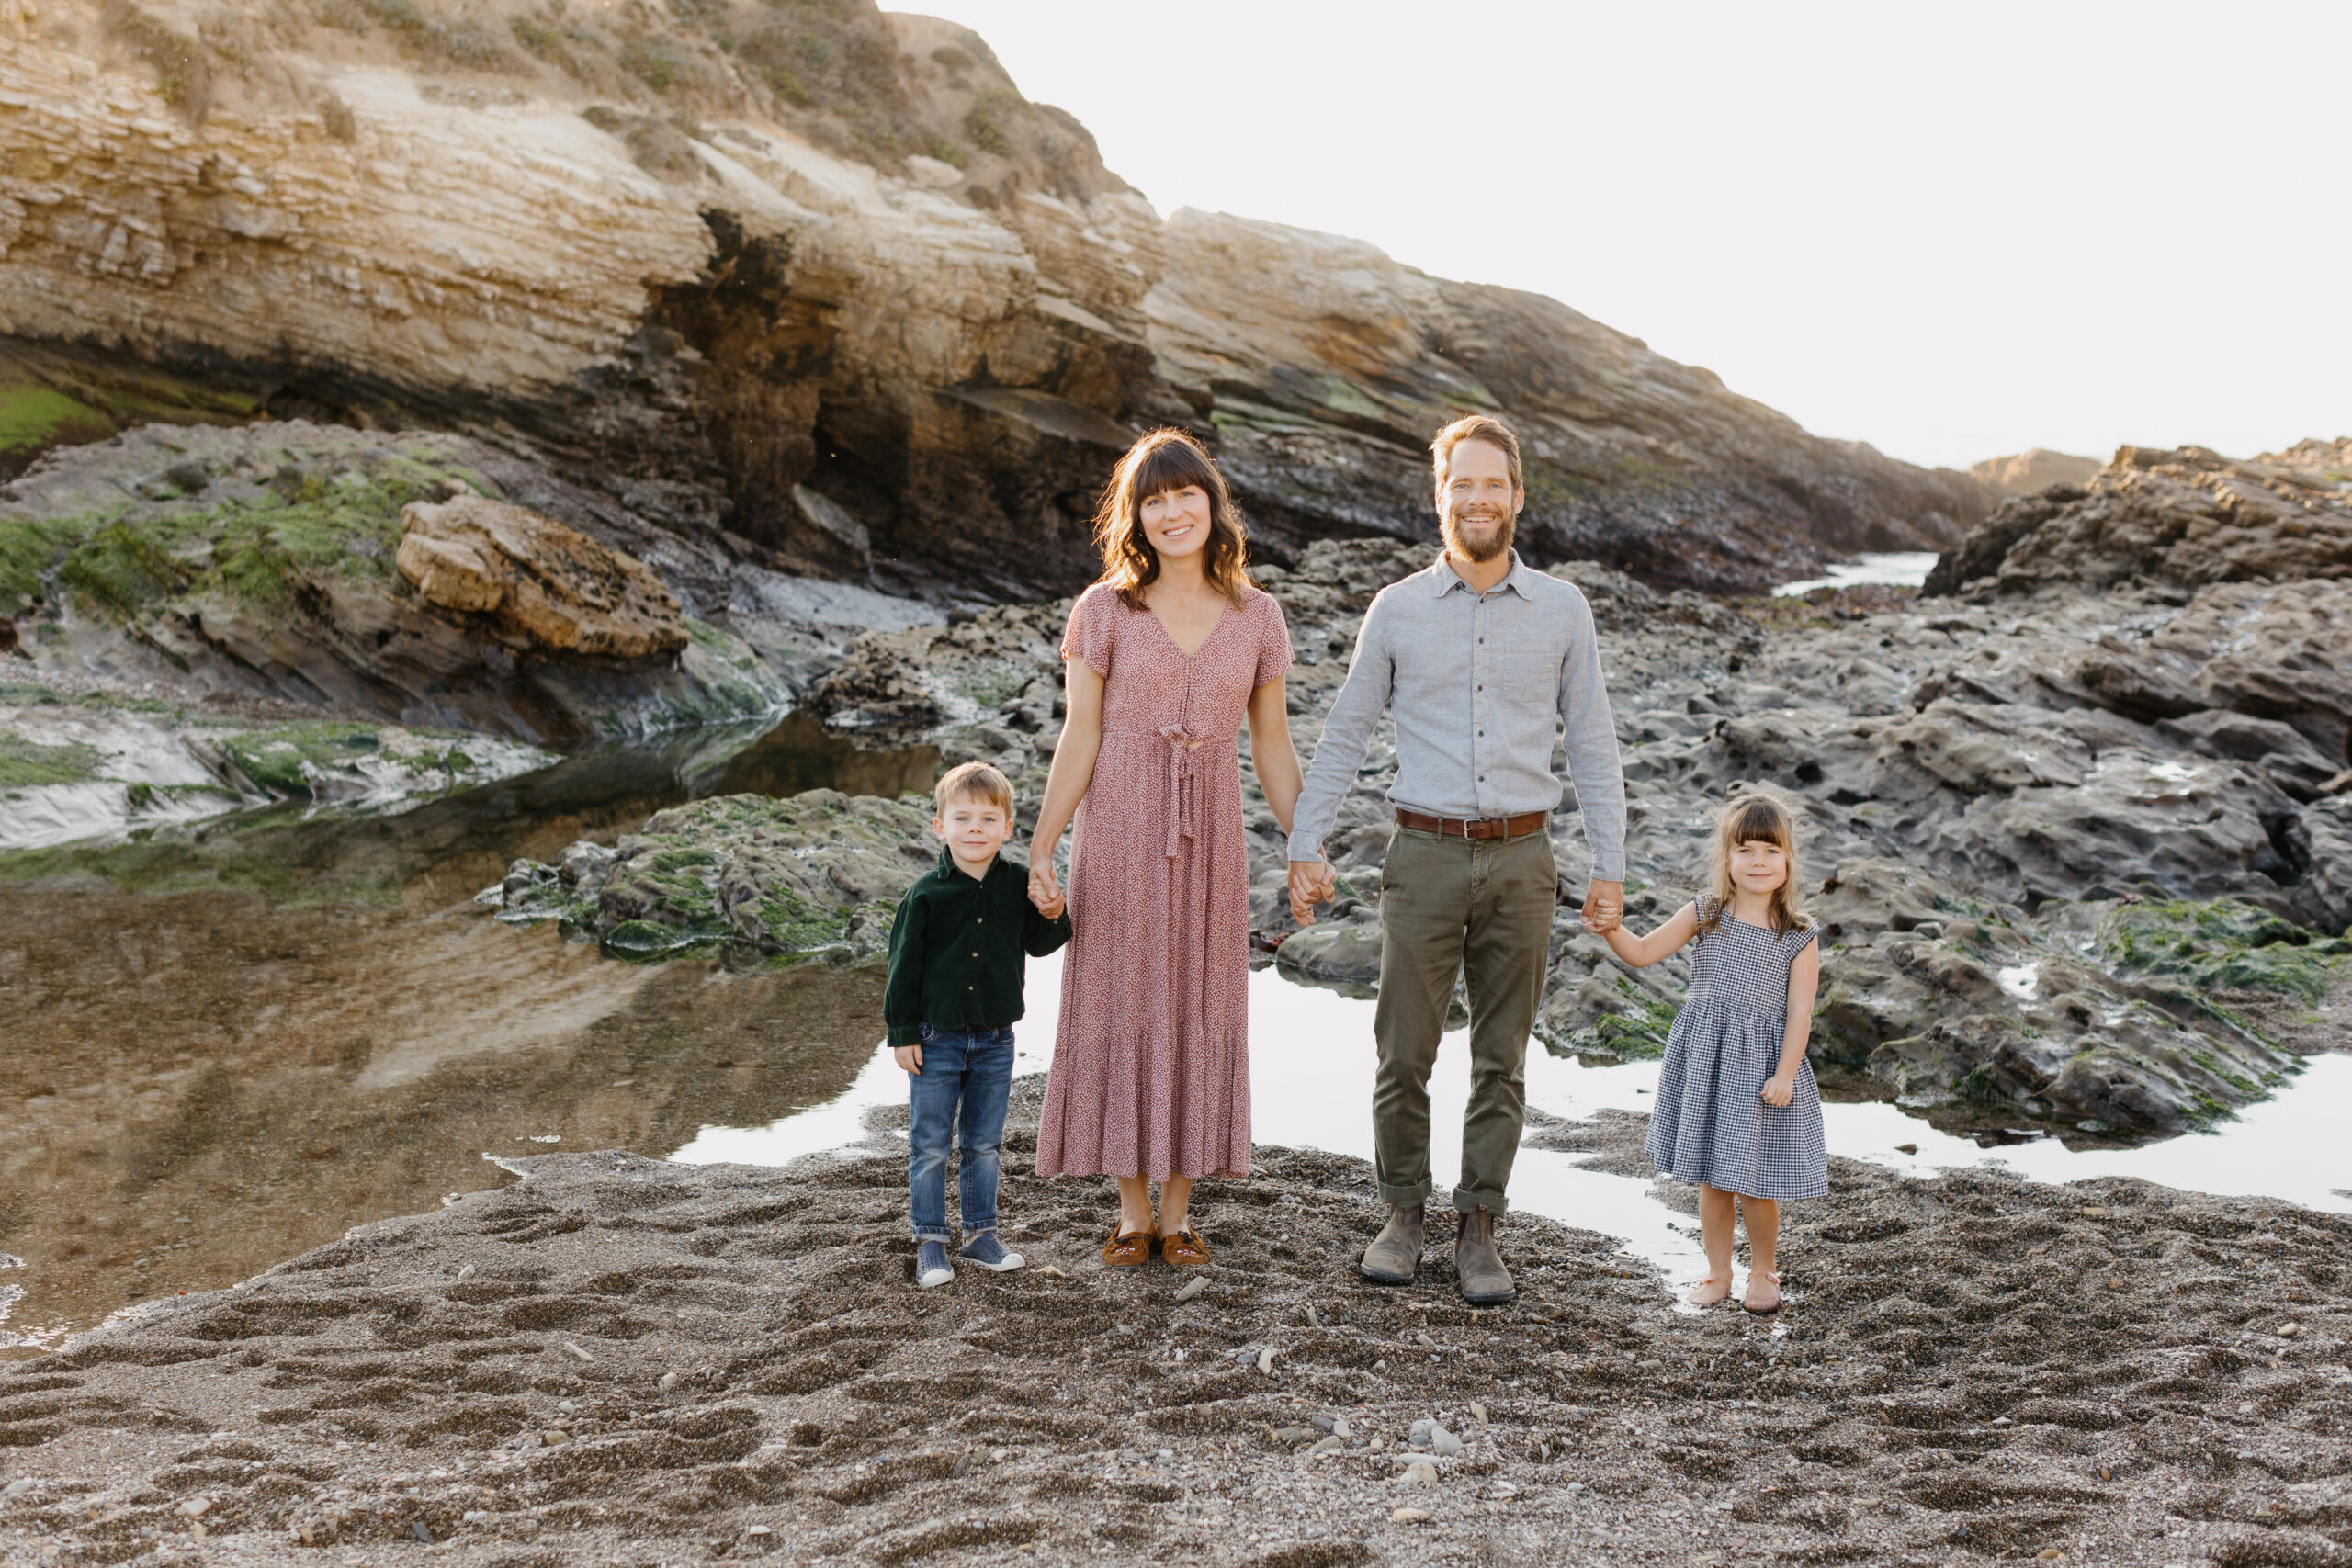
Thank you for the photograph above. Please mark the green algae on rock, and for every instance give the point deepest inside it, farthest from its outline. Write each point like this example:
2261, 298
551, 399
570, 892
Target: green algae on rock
818, 875
2224, 944
263, 561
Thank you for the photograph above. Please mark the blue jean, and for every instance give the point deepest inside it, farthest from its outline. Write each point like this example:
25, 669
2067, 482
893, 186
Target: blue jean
970, 1070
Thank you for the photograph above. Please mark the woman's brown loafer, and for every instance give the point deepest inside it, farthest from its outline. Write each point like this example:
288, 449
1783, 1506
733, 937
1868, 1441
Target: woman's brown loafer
1185, 1250
1127, 1251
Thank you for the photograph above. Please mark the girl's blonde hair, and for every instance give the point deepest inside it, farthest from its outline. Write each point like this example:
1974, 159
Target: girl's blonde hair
1163, 460
1755, 815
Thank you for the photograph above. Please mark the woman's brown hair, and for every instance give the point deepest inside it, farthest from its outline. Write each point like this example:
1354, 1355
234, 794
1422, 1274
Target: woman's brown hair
1755, 815
1163, 460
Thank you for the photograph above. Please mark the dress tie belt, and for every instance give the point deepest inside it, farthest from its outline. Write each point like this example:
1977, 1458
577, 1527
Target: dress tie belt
1183, 786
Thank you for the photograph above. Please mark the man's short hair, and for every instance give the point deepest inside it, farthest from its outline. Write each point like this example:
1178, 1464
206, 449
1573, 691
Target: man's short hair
1476, 427
974, 781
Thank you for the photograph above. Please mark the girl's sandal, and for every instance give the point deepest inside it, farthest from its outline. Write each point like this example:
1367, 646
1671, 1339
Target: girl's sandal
1711, 1291
1769, 1307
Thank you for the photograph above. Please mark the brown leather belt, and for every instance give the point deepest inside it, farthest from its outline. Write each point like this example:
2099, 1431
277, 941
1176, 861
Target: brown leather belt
1475, 828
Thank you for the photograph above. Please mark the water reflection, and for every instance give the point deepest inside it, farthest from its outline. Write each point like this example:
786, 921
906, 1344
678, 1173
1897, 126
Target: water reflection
229, 1044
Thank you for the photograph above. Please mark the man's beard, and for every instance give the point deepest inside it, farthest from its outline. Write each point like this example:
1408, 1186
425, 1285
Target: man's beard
1494, 543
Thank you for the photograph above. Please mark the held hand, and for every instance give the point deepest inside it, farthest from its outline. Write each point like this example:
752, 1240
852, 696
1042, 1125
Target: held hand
909, 1057
1604, 905
1043, 888
1312, 882
1780, 1088
1052, 910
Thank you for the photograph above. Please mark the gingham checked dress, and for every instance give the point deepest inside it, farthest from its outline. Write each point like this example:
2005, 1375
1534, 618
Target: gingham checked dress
1710, 1123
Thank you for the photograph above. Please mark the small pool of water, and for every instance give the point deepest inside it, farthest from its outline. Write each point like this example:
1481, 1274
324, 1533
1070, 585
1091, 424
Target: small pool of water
1901, 569
223, 1042
1311, 1062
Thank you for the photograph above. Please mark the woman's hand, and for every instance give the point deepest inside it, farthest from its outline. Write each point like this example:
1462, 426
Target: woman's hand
1044, 891
1780, 1088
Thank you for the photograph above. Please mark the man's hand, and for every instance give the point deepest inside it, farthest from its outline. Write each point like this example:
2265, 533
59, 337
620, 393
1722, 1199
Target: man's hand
1312, 882
1780, 1088
1604, 906
909, 1057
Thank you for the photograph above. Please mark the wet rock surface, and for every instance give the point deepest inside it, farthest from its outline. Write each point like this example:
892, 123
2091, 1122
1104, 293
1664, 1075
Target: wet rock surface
818, 875
1989, 818
617, 1357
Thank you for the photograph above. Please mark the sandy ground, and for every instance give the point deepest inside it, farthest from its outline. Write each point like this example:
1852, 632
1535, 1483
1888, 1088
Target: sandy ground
619, 1360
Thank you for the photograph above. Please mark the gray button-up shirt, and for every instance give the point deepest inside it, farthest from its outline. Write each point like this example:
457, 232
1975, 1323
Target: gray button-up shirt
1480, 684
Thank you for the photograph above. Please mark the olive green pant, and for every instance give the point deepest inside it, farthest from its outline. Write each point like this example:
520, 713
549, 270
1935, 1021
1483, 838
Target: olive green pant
1482, 910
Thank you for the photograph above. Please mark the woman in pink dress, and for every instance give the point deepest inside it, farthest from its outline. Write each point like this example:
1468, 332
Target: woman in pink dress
1165, 657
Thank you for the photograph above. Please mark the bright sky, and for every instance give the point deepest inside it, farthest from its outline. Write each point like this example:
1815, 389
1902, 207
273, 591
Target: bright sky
1950, 231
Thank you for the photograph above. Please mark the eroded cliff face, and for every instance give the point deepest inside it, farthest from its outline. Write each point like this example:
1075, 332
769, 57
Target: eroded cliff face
814, 285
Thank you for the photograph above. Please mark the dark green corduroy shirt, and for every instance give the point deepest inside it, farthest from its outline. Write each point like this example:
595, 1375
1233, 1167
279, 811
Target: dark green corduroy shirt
956, 952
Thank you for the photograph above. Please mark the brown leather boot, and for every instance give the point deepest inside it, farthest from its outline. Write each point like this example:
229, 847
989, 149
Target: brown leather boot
1395, 1253
1480, 1265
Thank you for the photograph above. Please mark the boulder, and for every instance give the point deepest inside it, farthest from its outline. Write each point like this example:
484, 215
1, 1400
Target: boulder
542, 586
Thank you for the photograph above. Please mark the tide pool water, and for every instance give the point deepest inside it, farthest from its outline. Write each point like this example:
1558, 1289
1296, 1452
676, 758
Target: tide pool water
1311, 1060
1904, 569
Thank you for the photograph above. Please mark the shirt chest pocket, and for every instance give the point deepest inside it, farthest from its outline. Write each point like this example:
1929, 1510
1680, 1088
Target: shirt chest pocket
1528, 670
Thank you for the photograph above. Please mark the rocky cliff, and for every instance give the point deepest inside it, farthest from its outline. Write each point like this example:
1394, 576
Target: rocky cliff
811, 286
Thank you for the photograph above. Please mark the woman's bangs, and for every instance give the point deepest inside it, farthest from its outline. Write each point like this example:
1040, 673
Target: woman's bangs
1170, 465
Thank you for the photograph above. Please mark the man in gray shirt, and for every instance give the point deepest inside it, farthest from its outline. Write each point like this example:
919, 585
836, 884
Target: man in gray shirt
1482, 658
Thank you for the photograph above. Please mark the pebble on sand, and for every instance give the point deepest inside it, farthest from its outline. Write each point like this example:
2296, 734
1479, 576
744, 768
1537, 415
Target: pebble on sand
1409, 1516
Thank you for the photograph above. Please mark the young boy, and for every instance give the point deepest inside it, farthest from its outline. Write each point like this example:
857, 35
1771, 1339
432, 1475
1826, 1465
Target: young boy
955, 993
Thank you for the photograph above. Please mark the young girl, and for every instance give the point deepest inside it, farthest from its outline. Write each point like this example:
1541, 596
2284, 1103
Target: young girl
1738, 1111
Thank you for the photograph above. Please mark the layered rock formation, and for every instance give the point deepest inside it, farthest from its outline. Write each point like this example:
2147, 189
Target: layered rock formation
270, 561
2183, 518
2032, 472
812, 286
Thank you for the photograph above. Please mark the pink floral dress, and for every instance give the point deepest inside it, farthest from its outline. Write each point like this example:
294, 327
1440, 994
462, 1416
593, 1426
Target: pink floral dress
1152, 1068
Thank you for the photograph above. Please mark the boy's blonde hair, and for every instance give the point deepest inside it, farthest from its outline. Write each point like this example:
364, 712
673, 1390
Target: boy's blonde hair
1768, 816
974, 781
